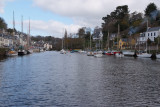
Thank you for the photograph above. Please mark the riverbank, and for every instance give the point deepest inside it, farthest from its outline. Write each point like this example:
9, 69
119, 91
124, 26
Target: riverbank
3, 52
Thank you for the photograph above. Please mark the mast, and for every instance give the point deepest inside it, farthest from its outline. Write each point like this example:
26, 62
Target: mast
146, 38
90, 42
13, 24
108, 40
28, 44
158, 40
22, 24
117, 37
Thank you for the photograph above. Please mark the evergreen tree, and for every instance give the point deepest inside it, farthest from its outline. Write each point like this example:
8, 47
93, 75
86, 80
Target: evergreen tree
149, 9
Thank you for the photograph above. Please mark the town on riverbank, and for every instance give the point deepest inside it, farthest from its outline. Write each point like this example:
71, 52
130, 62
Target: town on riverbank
121, 31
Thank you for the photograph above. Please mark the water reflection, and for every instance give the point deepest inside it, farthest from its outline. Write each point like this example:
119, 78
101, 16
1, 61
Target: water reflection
52, 79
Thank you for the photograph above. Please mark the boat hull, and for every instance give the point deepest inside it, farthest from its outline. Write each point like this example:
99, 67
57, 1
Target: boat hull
144, 55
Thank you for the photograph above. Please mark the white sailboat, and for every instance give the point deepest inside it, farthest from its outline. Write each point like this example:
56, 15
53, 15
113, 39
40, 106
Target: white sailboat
118, 53
158, 55
90, 53
62, 51
145, 55
99, 53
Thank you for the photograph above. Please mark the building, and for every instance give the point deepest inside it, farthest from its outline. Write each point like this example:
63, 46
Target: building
97, 35
123, 43
47, 46
87, 30
151, 34
112, 36
1, 40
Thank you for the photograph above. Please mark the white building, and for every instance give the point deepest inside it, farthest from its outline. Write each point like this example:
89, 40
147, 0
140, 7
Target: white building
47, 46
6, 41
151, 33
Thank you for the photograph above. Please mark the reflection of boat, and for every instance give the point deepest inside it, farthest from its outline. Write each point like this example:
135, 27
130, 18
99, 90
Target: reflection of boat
22, 52
12, 53
144, 55
63, 51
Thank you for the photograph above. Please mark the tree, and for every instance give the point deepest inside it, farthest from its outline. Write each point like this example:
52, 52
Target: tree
157, 40
150, 8
3, 24
149, 41
81, 33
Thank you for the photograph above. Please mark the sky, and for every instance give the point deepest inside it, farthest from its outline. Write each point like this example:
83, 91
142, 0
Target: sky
52, 17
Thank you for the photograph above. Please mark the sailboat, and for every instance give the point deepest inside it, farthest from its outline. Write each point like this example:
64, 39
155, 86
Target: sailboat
158, 55
62, 50
145, 55
117, 53
99, 53
90, 53
109, 52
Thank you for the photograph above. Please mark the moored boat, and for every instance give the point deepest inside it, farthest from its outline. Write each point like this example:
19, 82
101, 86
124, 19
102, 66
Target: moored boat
158, 56
63, 51
98, 54
119, 55
12, 53
128, 53
109, 53
90, 53
144, 55
22, 52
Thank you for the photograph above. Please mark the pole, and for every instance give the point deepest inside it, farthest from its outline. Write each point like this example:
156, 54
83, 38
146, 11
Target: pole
108, 40
90, 42
117, 38
13, 24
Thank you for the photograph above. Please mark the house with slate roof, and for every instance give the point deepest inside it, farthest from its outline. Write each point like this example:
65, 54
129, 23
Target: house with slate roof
151, 33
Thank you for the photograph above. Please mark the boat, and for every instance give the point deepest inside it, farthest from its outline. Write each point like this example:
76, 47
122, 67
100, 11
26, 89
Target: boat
30, 51
109, 53
144, 55
90, 53
99, 54
12, 53
115, 52
119, 55
63, 51
22, 52
158, 56
128, 53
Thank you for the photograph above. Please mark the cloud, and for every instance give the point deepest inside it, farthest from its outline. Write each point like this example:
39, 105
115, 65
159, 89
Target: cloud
2, 5
89, 12
53, 28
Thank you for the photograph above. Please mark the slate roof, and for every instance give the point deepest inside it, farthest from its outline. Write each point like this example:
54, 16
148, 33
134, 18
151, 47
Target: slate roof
153, 29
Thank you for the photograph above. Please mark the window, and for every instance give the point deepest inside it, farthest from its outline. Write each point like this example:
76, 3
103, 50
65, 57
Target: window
151, 34
148, 34
154, 34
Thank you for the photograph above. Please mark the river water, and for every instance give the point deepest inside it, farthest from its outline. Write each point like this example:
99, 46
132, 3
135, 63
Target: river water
77, 80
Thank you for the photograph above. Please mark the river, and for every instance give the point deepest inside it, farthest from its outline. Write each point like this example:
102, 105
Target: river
77, 80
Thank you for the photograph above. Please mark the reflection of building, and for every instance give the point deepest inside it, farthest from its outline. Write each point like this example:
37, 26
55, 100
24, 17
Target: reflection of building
151, 33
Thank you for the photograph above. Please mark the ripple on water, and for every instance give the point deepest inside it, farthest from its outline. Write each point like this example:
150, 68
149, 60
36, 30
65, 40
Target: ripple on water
70, 80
